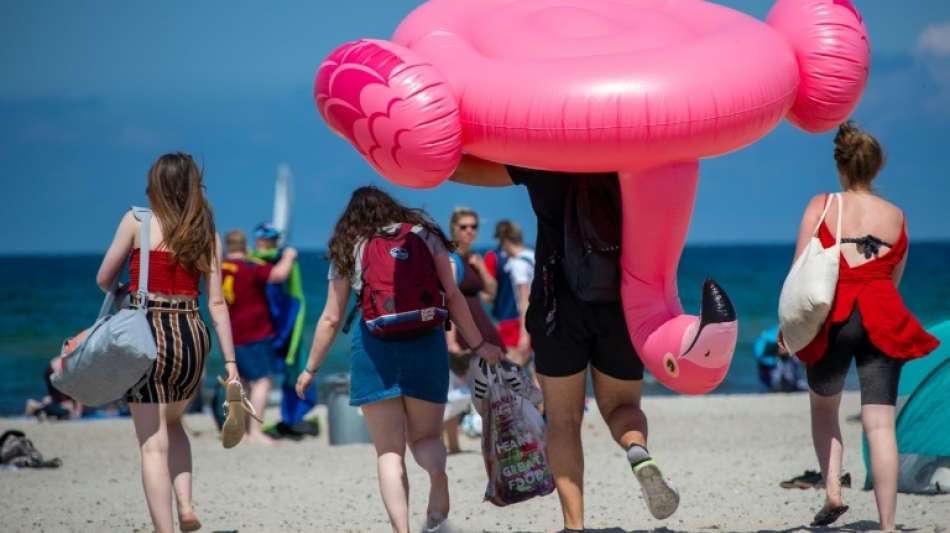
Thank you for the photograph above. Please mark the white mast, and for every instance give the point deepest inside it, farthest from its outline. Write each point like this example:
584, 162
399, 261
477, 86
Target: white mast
283, 202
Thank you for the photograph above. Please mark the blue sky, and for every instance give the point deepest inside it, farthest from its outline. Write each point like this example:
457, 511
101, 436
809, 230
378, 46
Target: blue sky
92, 92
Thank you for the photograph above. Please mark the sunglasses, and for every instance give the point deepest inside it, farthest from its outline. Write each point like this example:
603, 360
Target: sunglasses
466, 227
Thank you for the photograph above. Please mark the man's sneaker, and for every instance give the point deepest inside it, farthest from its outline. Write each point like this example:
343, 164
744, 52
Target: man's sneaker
662, 499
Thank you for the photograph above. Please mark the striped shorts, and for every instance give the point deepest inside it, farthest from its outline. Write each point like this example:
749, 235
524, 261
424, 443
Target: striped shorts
183, 343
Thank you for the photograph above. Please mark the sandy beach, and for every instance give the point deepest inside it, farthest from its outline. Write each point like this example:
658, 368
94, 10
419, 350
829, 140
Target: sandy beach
726, 454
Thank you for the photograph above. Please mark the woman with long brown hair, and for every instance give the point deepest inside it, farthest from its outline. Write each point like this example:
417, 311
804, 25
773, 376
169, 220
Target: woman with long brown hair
184, 248
401, 384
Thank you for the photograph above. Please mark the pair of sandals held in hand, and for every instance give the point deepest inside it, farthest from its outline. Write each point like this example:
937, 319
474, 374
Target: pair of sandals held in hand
236, 410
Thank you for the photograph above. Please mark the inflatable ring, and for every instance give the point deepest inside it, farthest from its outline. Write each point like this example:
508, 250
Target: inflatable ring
640, 87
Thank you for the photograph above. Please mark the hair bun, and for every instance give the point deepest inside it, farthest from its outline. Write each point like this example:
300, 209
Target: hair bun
847, 141
857, 153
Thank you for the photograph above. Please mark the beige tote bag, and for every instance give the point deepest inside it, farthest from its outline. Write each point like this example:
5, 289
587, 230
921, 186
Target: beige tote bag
809, 288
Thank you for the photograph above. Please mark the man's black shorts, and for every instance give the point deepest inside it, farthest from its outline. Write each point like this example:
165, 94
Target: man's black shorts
585, 334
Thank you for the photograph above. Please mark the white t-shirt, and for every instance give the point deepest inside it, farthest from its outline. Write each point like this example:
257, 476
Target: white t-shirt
521, 268
433, 242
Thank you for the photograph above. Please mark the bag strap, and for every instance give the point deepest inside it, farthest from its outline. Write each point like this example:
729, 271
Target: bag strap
145, 217
348, 323
524, 258
840, 199
824, 213
109, 299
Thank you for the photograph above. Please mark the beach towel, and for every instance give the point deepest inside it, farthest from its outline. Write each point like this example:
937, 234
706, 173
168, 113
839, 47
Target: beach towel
287, 309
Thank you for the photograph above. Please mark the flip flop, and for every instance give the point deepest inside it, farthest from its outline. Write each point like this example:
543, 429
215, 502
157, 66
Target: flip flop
828, 516
237, 408
662, 499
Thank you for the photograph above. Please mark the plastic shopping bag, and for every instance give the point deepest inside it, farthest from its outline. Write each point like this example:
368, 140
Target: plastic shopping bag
513, 439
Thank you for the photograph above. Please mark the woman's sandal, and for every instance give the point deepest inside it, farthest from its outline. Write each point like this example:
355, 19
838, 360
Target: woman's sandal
188, 524
827, 516
236, 407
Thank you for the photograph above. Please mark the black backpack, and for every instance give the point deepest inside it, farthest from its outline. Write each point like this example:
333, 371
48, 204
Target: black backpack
592, 232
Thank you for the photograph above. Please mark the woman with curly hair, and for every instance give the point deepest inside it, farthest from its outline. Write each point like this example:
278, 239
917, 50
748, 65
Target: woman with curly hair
400, 384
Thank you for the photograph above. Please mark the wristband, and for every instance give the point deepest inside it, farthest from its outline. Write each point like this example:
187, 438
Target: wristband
479, 347
312, 372
230, 362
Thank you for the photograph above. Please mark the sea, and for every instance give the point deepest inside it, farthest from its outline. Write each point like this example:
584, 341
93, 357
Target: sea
45, 299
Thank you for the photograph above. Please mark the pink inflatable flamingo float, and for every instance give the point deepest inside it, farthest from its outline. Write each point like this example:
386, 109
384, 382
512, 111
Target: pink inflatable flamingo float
646, 88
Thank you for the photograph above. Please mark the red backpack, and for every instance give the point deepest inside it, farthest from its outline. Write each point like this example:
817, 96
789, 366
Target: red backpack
402, 296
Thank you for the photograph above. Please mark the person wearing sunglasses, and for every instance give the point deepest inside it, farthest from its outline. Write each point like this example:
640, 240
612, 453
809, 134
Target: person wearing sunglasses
477, 285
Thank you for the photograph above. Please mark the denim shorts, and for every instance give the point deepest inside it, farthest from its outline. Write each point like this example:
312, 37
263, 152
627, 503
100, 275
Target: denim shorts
255, 360
384, 369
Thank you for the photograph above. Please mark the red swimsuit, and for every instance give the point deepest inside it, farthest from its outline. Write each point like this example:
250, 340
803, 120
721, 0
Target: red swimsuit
889, 324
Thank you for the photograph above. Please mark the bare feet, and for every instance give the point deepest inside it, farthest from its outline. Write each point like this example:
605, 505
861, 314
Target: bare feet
438, 509
188, 521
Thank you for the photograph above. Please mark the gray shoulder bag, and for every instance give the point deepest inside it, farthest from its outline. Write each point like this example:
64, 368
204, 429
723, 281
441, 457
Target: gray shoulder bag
117, 351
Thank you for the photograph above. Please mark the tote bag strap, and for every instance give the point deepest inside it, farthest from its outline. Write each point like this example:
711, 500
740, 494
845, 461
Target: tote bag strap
145, 217
834, 196
824, 213
840, 199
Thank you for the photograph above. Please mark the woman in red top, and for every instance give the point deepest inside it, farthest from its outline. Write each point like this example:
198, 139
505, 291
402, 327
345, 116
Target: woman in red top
184, 248
868, 322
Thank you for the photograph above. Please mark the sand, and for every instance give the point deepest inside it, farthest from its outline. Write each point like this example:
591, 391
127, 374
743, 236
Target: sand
726, 454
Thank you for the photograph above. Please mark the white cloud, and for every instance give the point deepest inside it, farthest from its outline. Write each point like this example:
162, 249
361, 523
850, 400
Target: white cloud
935, 40
933, 56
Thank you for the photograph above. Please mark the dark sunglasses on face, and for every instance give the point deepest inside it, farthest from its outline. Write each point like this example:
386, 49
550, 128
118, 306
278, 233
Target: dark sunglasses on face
466, 227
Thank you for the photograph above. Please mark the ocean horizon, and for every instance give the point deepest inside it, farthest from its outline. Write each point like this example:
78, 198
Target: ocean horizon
47, 297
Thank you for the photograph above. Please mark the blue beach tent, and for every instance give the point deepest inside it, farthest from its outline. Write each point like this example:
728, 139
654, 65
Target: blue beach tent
923, 421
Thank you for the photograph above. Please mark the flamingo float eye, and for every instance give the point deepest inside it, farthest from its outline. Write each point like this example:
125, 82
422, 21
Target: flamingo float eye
669, 364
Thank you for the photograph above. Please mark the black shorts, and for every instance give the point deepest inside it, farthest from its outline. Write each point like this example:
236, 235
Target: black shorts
584, 334
878, 374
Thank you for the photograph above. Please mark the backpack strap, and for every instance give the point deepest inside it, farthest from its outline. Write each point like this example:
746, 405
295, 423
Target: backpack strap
348, 323
144, 216
524, 258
